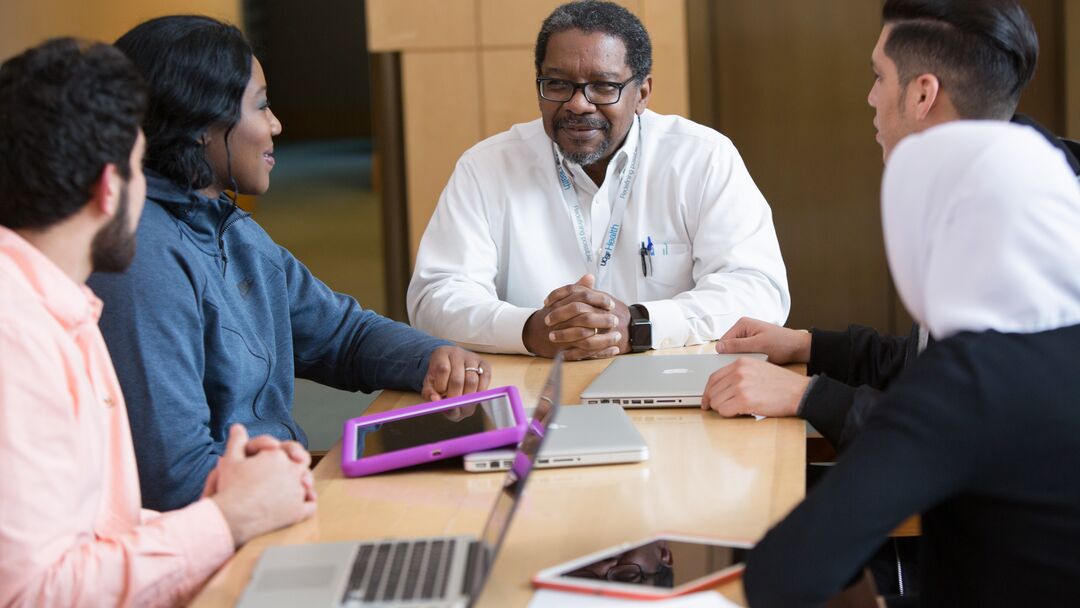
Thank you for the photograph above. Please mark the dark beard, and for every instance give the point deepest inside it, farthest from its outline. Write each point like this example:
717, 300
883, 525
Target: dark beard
113, 247
586, 158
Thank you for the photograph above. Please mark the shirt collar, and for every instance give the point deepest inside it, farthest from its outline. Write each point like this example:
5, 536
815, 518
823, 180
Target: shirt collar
72, 304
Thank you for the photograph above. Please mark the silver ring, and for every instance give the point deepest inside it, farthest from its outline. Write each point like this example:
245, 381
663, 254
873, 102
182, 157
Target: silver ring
595, 331
479, 370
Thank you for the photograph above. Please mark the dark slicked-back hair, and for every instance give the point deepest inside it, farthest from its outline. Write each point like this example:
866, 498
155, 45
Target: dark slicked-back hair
982, 51
196, 69
592, 16
67, 109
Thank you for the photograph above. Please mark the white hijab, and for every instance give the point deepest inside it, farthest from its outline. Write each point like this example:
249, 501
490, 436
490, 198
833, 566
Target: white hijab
982, 229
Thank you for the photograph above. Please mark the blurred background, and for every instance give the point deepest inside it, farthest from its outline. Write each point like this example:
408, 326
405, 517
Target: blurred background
372, 129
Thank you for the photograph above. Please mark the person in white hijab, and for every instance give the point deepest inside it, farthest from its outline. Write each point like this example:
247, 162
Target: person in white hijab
981, 436
990, 240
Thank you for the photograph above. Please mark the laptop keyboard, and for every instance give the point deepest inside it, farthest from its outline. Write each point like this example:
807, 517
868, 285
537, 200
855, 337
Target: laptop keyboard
400, 571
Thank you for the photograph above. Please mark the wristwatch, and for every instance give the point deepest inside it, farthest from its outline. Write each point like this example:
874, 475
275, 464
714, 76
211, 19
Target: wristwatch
640, 329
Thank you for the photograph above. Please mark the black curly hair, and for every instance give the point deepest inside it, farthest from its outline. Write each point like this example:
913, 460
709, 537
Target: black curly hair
609, 18
67, 108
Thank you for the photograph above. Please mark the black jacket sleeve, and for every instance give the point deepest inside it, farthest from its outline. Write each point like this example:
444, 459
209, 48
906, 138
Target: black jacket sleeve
860, 355
838, 411
852, 369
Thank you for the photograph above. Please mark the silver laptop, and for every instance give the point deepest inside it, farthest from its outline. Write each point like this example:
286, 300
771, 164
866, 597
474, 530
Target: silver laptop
579, 436
442, 571
657, 380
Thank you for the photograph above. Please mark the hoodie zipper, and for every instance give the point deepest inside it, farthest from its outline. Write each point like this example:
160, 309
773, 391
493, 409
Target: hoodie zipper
229, 221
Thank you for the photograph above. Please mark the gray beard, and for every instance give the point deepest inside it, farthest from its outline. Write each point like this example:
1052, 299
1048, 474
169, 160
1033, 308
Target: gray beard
586, 158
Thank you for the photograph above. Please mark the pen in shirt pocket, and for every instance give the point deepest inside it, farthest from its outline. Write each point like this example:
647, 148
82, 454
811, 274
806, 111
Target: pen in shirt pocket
646, 259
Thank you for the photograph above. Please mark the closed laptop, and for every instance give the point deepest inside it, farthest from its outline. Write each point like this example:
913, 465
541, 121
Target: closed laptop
649, 380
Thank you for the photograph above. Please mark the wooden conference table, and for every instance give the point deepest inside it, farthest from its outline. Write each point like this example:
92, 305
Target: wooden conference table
705, 475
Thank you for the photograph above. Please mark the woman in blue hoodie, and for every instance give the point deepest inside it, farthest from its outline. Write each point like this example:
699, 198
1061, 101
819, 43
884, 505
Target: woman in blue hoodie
214, 320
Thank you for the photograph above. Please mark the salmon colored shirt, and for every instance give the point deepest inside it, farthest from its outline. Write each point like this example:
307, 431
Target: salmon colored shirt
72, 530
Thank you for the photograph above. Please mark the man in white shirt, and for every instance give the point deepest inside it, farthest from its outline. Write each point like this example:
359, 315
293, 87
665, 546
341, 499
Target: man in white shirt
601, 228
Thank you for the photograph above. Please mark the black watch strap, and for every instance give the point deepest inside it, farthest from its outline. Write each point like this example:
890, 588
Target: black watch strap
640, 329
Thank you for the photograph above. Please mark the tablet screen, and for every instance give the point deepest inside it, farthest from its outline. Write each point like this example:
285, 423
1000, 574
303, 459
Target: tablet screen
431, 427
665, 563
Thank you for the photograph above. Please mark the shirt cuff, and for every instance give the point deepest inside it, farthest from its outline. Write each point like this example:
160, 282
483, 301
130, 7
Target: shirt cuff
208, 542
825, 405
669, 326
509, 325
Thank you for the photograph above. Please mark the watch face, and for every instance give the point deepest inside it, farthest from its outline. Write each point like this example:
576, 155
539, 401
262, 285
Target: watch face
640, 335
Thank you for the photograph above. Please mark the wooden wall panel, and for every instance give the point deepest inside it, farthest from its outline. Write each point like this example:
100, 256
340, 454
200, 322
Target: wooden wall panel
25, 23
509, 89
791, 81
439, 126
505, 23
516, 23
395, 25
1042, 100
1071, 68
666, 22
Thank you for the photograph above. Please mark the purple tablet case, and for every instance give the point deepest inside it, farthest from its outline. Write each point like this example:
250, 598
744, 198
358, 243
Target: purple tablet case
438, 450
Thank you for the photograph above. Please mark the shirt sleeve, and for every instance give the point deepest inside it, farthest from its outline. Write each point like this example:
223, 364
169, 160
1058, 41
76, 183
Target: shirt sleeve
917, 450
153, 325
838, 411
860, 355
339, 344
453, 290
737, 267
56, 547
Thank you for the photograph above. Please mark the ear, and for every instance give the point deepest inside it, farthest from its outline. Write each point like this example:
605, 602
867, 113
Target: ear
923, 94
644, 91
106, 191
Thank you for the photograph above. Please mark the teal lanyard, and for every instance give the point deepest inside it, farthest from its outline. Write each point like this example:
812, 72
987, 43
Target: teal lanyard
622, 196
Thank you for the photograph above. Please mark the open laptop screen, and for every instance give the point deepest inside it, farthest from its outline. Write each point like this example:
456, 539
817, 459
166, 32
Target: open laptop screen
498, 522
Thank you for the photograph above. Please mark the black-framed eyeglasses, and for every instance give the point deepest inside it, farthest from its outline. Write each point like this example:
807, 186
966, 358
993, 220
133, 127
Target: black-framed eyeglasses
619, 573
597, 93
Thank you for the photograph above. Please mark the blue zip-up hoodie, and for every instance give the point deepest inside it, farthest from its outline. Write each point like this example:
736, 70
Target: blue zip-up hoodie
211, 324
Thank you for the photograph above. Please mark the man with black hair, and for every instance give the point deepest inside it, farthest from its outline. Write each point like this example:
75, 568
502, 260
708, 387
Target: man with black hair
72, 530
602, 227
936, 61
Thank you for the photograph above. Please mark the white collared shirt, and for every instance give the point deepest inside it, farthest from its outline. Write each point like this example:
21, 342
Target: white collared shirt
502, 238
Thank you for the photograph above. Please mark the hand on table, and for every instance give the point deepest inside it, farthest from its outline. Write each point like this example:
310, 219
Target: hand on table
261, 491
454, 371
292, 449
751, 386
581, 321
781, 344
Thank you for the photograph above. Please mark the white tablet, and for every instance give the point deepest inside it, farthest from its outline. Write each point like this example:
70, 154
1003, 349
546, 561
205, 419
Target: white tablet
665, 565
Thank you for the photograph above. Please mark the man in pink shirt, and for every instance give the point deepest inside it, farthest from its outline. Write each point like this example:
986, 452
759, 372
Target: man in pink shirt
72, 531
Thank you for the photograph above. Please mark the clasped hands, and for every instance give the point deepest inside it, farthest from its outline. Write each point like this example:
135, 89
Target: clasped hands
581, 321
